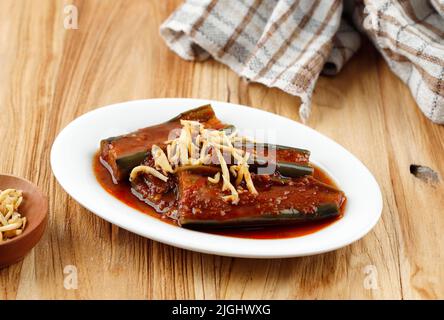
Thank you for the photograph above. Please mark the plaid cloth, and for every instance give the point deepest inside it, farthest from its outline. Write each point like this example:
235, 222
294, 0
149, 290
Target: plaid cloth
288, 43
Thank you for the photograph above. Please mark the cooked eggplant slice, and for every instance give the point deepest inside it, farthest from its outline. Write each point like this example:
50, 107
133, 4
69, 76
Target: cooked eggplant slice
240, 184
162, 196
121, 154
291, 200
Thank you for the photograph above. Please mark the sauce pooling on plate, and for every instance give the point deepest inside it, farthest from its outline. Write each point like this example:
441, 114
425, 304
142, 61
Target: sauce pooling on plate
122, 192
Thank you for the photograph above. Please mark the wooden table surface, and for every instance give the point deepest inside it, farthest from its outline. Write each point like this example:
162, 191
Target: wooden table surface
51, 75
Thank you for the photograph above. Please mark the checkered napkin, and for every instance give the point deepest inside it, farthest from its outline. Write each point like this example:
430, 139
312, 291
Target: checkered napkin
288, 43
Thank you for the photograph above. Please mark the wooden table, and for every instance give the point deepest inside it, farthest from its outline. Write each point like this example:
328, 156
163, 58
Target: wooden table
50, 75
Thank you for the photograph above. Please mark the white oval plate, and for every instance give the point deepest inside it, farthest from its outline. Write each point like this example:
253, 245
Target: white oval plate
73, 150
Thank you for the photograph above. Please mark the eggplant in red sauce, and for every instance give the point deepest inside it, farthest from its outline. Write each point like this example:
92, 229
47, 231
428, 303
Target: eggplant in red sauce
287, 193
279, 201
162, 195
120, 154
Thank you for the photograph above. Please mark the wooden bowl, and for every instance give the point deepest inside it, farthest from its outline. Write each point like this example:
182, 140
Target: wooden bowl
35, 208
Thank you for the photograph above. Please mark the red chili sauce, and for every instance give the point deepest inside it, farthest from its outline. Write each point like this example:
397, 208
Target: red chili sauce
122, 191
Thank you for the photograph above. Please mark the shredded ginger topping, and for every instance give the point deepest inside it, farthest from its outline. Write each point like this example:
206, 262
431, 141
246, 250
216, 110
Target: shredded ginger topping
196, 145
12, 223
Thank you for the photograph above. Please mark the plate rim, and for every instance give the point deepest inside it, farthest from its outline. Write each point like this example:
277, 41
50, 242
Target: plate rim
203, 249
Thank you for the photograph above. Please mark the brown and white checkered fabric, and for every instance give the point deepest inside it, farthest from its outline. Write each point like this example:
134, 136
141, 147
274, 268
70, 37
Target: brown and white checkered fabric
288, 43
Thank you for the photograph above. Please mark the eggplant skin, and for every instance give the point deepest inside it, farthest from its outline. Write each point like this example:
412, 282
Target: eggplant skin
285, 217
285, 168
203, 113
127, 163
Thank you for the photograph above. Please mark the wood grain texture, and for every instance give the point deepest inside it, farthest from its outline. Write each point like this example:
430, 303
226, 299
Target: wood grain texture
50, 75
